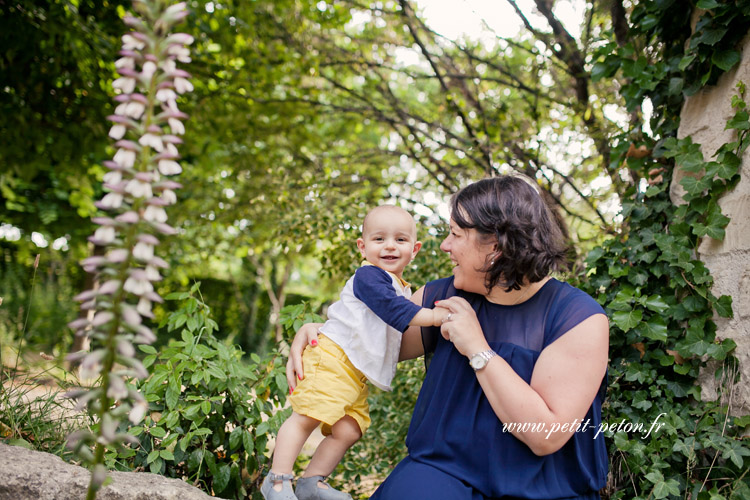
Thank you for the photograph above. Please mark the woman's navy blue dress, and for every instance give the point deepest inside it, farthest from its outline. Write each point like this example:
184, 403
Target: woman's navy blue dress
457, 447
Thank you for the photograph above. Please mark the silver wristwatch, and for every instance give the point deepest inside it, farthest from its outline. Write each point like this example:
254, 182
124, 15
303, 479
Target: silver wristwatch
480, 359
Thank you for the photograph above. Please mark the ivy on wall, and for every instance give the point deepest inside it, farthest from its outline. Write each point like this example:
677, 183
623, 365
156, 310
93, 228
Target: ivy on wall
656, 293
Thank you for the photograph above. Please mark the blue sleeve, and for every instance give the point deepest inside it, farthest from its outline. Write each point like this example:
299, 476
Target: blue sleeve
374, 287
573, 306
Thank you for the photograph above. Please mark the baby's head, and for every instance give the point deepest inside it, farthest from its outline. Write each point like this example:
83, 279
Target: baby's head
389, 238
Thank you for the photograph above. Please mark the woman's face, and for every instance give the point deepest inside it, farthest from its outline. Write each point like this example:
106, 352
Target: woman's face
469, 256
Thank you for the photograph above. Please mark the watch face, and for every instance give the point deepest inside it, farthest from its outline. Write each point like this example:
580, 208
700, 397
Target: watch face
477, 362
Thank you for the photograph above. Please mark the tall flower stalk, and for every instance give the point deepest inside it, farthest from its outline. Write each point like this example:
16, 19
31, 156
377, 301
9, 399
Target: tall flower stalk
147, 126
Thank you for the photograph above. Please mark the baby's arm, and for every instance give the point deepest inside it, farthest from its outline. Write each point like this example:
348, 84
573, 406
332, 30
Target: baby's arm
374, 287
429, 317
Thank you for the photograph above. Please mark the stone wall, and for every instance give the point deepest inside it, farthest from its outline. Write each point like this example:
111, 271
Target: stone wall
703, 117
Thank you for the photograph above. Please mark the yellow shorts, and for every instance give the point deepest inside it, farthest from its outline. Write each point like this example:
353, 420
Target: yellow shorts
332, 387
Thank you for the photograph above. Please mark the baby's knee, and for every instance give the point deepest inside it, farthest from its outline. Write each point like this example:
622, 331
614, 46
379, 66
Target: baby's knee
346, 430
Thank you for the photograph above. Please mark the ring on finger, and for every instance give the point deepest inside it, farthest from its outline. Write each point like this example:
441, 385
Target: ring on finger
448, 317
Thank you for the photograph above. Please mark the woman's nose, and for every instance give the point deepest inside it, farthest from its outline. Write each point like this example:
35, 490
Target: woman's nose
445, 245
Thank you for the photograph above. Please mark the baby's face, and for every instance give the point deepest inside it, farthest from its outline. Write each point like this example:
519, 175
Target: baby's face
389, 239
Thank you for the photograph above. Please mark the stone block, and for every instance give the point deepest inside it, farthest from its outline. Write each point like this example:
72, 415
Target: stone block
33, 475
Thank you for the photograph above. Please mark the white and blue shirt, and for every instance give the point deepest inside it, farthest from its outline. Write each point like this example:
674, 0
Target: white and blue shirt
368, 320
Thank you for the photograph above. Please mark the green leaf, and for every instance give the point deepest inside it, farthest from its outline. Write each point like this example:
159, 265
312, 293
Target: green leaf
740, 121
152, 456
195, 460
655, 329
156, 465
172, 397
221, 478
707, 4
725, 59
735, 452
247, 441
166, 455
157, 431
656, 304
206, 407
235, 438
627, 320
147, 349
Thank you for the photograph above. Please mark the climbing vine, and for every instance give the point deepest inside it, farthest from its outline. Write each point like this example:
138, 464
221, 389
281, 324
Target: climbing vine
656, 292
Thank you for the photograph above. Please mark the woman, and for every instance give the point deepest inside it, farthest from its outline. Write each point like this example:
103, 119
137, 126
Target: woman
512, 397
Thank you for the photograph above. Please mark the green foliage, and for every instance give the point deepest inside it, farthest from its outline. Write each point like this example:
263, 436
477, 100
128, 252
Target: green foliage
210, 413
292, 317
659, 300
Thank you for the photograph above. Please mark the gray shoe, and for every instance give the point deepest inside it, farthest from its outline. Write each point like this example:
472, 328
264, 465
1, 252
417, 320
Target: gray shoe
307, 489
286, 493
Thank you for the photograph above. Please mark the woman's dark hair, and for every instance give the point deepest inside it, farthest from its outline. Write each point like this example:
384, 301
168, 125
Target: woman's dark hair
508, 212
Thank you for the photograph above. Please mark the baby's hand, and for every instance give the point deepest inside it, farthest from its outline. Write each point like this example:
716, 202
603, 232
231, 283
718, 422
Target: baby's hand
440, 315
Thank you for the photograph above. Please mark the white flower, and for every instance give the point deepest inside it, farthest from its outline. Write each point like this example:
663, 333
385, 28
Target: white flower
174, 9
169, 196
138, 286
169, 167
117, 255
111, 200
112, 177
143, 251
152, 273
127, 85
176, 126
169, 66
125, 158
153, 140
172, 149
166, 95
182, 85
129, 42
139, 189
181, 38
117, 389
134, 109
181, 53
105, 234
144, 307
149, 68
154, 213
138, 411
117, 131
125, 62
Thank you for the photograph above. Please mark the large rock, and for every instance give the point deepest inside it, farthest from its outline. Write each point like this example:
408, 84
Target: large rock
32, 475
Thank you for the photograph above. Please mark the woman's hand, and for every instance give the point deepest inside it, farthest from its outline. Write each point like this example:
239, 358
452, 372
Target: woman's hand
462, 326
306, 335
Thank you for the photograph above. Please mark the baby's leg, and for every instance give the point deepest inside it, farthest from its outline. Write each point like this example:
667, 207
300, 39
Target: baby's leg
289, 442
331, 450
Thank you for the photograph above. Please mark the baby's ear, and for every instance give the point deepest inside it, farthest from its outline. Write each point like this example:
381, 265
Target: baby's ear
417, 247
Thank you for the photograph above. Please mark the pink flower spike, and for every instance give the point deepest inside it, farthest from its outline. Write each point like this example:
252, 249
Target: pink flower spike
78, 324
117, 255
172, 139
129, 145
158, 262
102, 318
164, 228
181, 38
128, 72
148, 239
182, 85
128, 217
87, 295
169, 197
126, 85
110, 287
103, 221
